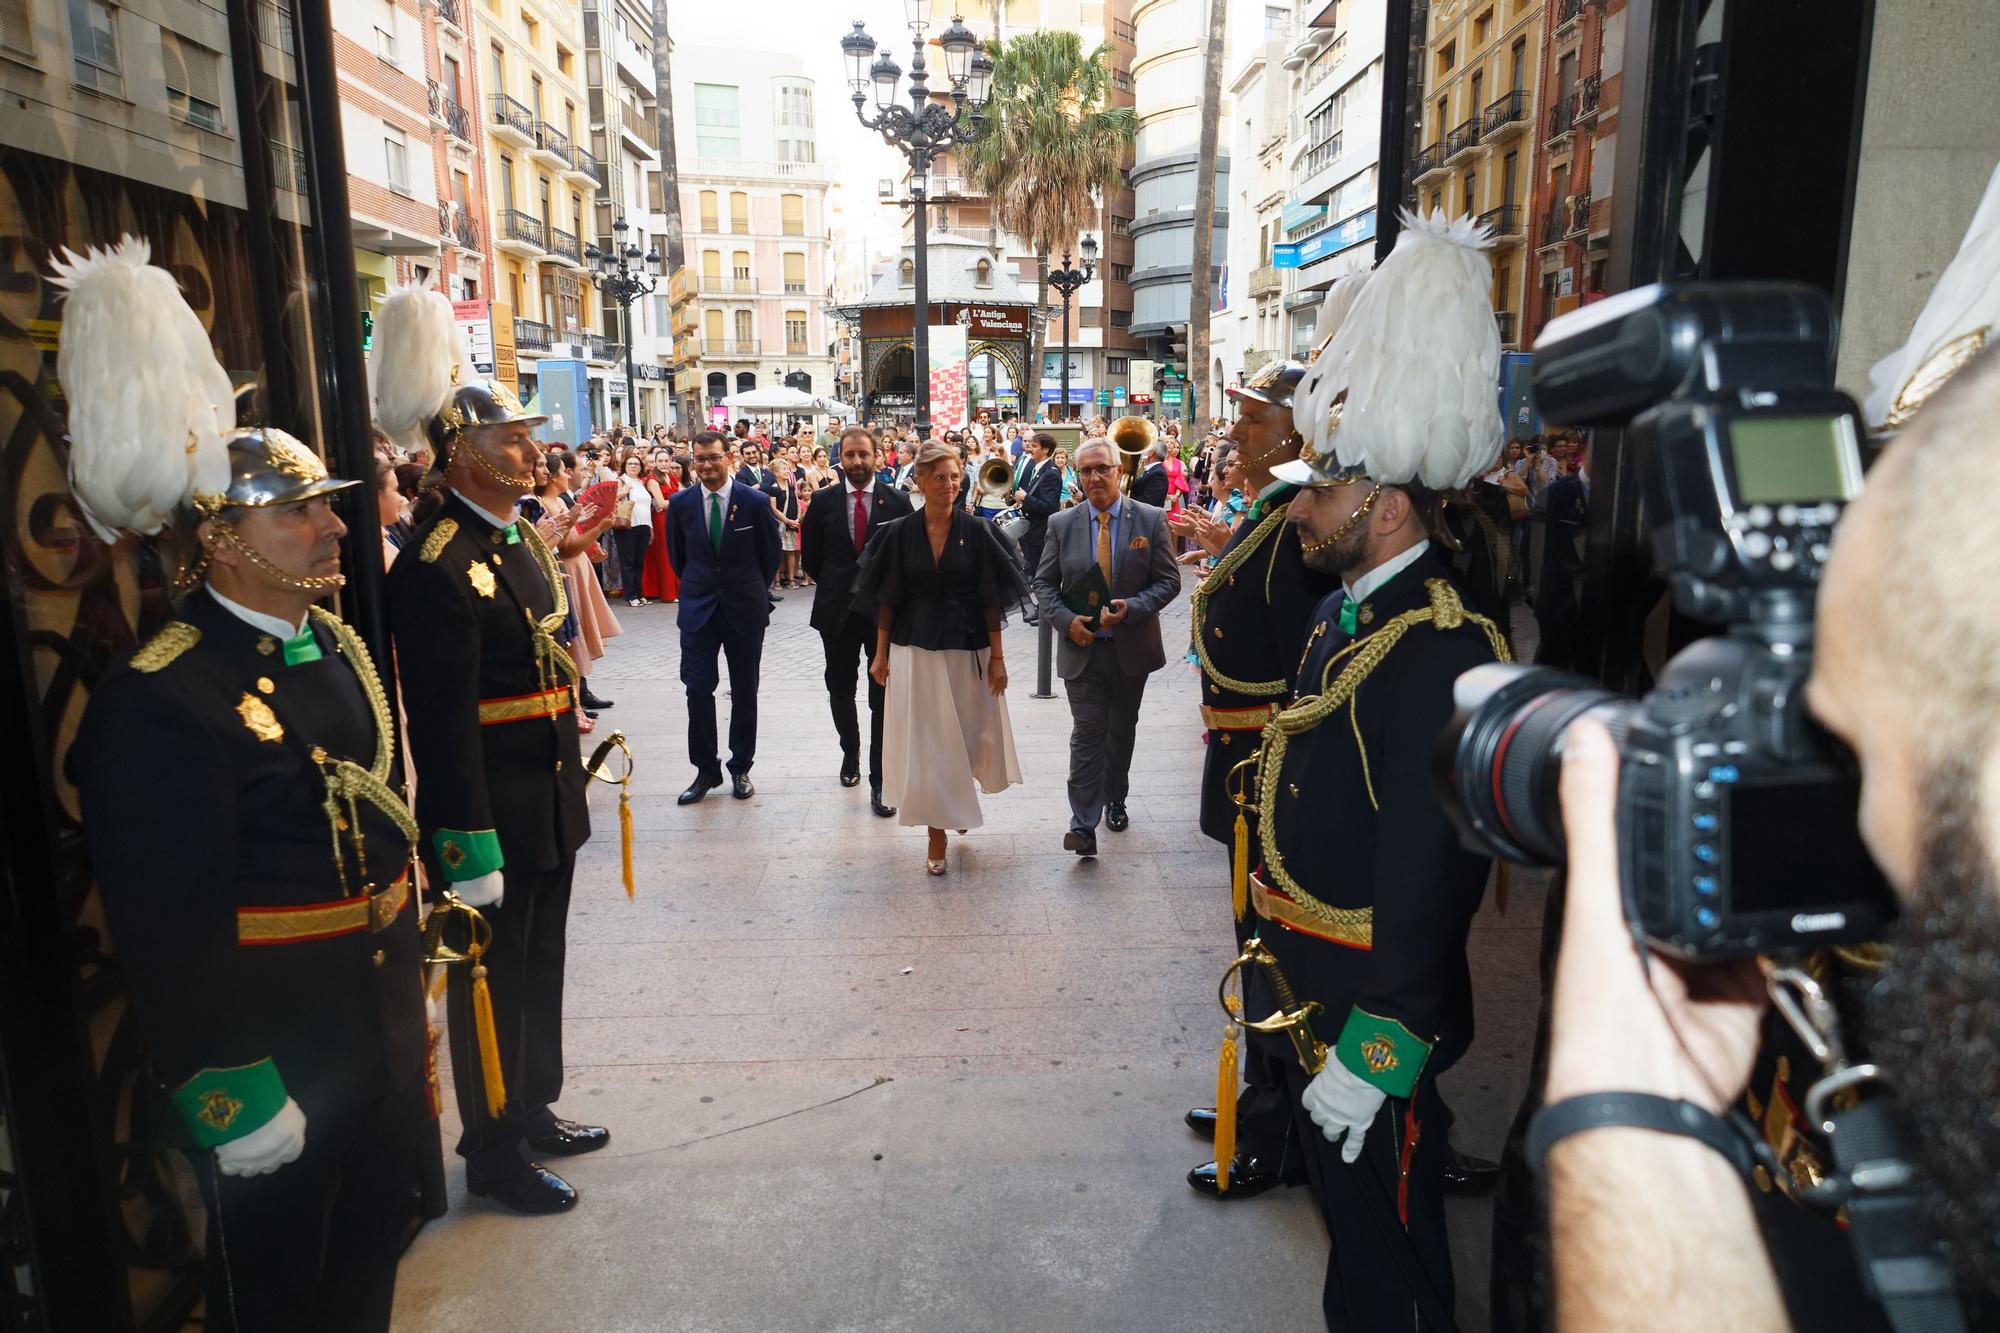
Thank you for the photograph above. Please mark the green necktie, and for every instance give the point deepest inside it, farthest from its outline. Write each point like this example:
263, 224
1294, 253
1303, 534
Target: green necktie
301, 648
513, 531
1348, 623
715, 522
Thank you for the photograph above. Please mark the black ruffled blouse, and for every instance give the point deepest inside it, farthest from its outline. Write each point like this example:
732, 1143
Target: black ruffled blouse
938, 604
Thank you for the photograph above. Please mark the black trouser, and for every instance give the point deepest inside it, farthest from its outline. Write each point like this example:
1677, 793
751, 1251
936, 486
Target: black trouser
631, 543
1104, 704
1390, 1200
699, 648
524, 971
314, 1244
1264, 1108
853, 642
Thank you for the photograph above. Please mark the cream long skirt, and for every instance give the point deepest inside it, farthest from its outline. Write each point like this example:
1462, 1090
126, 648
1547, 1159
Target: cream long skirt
946, 738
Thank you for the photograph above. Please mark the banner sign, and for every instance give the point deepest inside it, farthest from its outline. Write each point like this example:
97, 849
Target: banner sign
1076, 395
475, 325
1343, 235
1285, 254
992, 321
949, 410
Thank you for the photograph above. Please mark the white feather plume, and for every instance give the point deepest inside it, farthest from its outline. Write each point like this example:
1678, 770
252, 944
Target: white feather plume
416, 351
1312, 401
149, 405
1419, 356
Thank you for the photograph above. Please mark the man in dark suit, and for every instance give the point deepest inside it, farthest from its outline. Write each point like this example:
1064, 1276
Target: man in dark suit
1150, 486
753, 473
837, 526
1104, 665
1039, 495
722, 539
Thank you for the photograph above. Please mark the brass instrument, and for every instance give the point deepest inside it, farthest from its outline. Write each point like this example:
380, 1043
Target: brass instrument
995, 483
1132, 438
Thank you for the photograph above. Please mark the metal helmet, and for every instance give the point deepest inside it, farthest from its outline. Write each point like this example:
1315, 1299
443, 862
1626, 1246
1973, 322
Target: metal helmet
1273, 384
267, 467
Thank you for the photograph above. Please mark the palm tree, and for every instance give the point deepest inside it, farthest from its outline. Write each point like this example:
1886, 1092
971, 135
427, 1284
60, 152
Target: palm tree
1051, 148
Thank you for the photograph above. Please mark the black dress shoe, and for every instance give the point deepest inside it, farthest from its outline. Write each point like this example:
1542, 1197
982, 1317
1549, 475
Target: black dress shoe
1202, 1121
535, 1190
850, 773
589, 700
1083, 844
697, 789
1248, 1177
739, 786
1115, 817
1465, 1174
875, 803
566, 1138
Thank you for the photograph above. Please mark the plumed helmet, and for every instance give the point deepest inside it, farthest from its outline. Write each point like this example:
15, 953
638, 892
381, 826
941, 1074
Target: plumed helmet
1273, 384
267, 466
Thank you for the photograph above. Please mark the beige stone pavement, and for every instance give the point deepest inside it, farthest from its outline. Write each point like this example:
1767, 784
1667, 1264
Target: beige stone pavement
847, 1096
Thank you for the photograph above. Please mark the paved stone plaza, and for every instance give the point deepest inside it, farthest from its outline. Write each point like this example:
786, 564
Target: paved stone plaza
847, 1096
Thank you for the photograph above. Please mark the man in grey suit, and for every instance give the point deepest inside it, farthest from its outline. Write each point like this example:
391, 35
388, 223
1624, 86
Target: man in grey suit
1104, 667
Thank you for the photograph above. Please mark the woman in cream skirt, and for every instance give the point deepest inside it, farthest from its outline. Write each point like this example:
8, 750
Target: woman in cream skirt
935, 583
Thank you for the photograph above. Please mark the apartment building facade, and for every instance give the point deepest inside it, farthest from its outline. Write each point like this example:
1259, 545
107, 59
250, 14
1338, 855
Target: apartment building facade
755, 225
542, 185
1576, 148
382, 53
1482, 110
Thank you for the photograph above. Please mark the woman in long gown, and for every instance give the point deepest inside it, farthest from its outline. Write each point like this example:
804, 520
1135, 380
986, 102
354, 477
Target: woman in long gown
659, 583
594, 621
936, 583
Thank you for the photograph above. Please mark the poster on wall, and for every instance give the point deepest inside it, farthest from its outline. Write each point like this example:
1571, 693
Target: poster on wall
948, 377
475, 325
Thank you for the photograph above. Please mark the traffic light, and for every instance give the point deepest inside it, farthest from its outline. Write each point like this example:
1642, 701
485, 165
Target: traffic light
367, 331
1177, 345
1159, 378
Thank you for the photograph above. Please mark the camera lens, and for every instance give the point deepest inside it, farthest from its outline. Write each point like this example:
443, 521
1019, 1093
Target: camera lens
1499, 758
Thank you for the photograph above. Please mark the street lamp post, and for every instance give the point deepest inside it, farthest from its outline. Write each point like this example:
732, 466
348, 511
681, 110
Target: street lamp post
1070, 281
624, 274
922, 131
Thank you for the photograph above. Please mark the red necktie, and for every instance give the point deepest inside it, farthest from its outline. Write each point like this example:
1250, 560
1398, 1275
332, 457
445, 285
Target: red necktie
860, 521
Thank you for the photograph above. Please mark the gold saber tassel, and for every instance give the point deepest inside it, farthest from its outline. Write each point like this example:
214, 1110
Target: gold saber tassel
1225, 1101
1239, 866
595, 769
489, 1041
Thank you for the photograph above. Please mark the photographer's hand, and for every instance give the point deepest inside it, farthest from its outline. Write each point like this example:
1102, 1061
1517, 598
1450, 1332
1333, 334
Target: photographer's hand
1646, 1230
1612, 1031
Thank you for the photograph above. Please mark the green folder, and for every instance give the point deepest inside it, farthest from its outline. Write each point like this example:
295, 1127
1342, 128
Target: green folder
1087, 594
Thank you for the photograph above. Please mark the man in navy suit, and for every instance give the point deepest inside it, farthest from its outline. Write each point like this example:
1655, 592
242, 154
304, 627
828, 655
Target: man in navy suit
722, 539
1039, 496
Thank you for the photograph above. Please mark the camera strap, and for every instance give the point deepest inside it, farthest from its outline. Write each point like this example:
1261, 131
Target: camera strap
1902, 1262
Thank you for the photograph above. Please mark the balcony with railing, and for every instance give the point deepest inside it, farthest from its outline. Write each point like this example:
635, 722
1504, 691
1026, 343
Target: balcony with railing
729, 349
585, 164
1577, 207
728, 286
794, 287
521, 233
288, 168
448, 114
797, 347
639, 129
532, 335
1550, 231
1567, 12
1507, 116
1463, 135
450, 14
1562, 119
512, 121
1505, 319
551, 144
1503, 222
597, 347
564, 246
1588, 92
1429, 159
1266, 280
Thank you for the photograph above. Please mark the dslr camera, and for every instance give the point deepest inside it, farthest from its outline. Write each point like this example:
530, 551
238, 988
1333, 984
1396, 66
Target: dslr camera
1737, 813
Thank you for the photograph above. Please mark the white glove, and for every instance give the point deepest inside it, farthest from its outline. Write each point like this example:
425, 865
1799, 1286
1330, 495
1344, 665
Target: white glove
486, 891
264, 1149
1342, 1102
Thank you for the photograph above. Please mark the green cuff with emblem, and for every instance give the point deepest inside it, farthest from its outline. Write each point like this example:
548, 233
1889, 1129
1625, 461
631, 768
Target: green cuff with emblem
220, 1105
1382, 1051
468, 855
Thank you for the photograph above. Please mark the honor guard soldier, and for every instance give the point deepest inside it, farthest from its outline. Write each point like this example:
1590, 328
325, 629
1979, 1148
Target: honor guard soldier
1250, 615
254, 859
475, 601
1363, 894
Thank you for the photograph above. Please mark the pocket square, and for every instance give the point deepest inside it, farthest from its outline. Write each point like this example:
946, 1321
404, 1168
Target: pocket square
1138, 544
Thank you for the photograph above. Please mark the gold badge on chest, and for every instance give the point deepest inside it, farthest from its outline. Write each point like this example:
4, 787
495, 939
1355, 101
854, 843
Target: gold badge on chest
481, 578
257, 716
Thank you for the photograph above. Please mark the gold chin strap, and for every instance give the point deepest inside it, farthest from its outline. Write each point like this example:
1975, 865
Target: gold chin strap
227, 532
1314, 548
462, 445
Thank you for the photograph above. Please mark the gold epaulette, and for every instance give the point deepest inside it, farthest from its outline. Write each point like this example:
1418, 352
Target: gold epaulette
440, 537
174, 638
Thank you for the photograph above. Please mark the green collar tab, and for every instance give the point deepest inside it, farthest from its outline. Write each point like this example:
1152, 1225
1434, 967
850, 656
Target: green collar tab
302, 648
